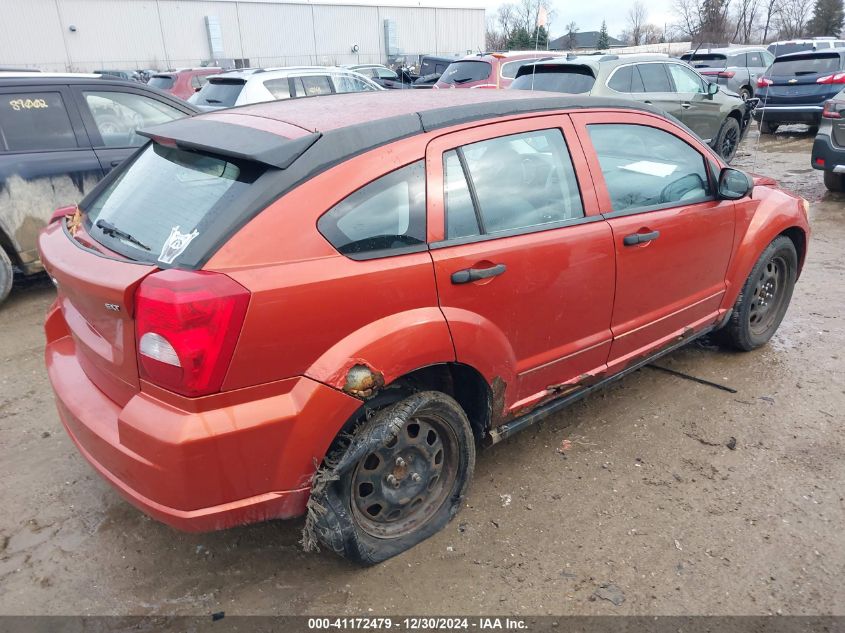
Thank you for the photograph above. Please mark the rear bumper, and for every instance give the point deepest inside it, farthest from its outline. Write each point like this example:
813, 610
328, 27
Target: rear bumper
201, 470
810, 115
833, 157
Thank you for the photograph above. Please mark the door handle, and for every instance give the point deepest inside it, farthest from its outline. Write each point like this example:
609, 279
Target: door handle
474, 274
686, 105
647, 101
640, 238
115, 163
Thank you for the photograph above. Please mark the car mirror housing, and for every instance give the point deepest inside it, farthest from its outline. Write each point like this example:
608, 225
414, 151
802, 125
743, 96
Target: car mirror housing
712, 89
734, 184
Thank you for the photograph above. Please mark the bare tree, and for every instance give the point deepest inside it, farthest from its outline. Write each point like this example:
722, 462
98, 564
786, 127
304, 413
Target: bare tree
770, 8
746, 13
793, 16
689, 17
571, 36
637, 16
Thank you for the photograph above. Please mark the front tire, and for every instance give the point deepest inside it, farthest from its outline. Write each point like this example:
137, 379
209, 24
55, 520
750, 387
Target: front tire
768, 128
764, 297
7, 275
728, 140
402, 478
834, 182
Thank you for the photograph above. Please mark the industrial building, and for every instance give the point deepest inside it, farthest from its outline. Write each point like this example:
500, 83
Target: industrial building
86, 35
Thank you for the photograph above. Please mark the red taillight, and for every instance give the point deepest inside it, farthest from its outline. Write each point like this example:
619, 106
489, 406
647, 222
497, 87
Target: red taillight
764, 82
833, 109
838, 78
186, 326
727, 74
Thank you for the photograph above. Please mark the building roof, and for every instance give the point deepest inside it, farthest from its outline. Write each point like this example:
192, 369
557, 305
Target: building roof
583, 39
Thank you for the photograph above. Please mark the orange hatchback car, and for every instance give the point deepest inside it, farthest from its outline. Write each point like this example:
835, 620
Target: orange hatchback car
325, 305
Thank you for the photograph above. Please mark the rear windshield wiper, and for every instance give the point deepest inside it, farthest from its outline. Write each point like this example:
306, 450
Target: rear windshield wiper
213, 101
110, 229
462, 80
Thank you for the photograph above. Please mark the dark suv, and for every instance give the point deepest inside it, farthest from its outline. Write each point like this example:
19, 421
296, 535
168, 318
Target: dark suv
59, 135
795, 87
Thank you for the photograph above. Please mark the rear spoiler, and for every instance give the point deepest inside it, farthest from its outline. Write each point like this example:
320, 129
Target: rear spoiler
230, 140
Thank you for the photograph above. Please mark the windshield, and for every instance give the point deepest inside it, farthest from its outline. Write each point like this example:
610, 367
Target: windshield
220, 92
466, 71
805, 65
163, 200
162, 82
568, 79
706, 60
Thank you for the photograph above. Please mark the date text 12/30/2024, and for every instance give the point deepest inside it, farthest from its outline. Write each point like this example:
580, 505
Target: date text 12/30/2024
417, 624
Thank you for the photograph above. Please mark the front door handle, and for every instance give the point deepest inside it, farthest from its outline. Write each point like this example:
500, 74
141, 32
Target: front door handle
474, 274
640, 238
686, 105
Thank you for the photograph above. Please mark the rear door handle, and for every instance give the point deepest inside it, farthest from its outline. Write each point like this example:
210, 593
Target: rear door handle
115, 163
474, 274
686, 105
640, 238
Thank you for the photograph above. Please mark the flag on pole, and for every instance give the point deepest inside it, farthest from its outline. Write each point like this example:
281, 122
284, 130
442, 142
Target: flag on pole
542, 17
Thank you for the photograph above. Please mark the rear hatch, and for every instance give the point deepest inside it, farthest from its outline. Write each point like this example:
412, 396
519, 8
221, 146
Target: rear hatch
567, 78
801, 79
466, 74
162, 81
166, 209
218, 92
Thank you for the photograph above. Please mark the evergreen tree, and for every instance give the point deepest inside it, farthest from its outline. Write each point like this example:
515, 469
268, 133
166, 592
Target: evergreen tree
520, 40
603, 43
827, 18
540, 39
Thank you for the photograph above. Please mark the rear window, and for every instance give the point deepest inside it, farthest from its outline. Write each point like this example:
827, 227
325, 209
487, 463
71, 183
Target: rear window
568, 79
466, 71
790, 47
220, 92
34, 121
162, 82
706, 60
165, 199
806, 65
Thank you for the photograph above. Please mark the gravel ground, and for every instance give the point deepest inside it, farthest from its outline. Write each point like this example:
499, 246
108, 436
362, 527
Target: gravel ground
648, 512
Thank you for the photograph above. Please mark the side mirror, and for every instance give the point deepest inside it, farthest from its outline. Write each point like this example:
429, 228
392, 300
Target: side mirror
712, 89
734, 184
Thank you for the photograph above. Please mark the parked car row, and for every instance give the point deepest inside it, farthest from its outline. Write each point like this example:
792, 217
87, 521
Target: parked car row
221, 350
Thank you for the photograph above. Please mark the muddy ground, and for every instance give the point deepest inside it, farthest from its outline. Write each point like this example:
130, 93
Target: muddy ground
648, 498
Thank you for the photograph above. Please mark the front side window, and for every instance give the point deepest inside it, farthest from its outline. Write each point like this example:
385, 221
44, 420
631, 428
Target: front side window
645, 167
654, 78
382, 218
34, 121
351, 83
685, 79
119, 114
517, 182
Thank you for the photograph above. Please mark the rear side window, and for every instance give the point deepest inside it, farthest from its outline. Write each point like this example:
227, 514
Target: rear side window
162, 82
465, 71
220, 92
655, 78
644, 167
621, 79
279, 88
568, 79
165, 199
806, 65
755, 60
385, 217
34, 121
119, 114
515, 182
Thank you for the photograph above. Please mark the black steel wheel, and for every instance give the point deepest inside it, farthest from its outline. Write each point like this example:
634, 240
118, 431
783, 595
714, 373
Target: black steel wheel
764, 297
401, 479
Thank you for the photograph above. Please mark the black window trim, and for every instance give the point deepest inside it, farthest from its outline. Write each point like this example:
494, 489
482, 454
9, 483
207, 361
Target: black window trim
708, 168
525, 230
71, 108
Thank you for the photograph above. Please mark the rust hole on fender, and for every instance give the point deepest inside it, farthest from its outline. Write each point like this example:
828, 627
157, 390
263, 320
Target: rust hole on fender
363, 382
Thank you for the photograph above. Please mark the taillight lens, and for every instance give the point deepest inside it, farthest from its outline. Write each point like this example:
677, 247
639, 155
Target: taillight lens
727, 74
833, 109
838, 78
764, 82
186, 326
